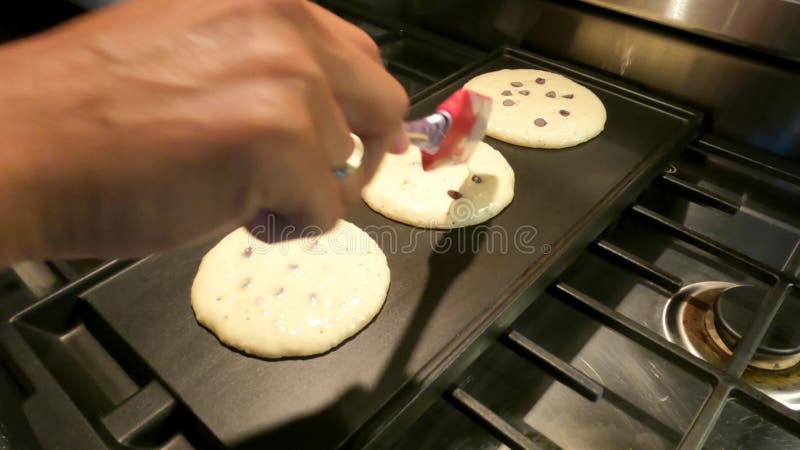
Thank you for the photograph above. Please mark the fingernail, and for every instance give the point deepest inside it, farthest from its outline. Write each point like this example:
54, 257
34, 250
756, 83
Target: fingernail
400, 143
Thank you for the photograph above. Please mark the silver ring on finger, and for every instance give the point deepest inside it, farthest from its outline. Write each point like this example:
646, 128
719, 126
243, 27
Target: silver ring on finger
353, 161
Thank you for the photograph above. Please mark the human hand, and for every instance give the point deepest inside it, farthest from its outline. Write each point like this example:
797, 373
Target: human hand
151, 123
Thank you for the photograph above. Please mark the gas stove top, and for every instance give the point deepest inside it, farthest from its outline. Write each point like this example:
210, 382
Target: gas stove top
676, 328
673, 329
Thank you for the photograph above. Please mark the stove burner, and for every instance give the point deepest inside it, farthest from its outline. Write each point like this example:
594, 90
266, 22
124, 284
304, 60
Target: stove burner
734, 310
709, 318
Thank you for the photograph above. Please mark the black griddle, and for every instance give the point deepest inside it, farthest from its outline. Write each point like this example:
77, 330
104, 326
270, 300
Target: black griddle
141, 370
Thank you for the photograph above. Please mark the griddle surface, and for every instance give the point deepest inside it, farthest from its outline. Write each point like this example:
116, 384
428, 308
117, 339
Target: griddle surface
319, 402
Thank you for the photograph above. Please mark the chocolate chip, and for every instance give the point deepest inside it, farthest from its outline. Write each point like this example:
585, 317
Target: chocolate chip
564, 112
516, 84
550, 94
248, 252
455, 195
568, 96
506, 93
540, 122
508, 102
477, 179
524, 92
540, 81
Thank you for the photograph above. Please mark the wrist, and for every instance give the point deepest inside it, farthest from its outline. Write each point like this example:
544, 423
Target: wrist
20, 218
43, 138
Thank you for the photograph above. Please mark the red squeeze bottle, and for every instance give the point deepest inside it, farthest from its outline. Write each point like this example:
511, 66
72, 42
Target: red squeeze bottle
451, 134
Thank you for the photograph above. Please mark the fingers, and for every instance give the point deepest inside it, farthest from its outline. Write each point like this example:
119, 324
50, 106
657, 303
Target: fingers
400, 142
359, 95
315, 203
374, 105
346, 30
333, 132
304, 191
335, 142
372, 159
372, 101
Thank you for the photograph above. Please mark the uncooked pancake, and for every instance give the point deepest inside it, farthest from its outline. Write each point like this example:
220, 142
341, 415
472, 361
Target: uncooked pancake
447, 197
539, 109
295, 298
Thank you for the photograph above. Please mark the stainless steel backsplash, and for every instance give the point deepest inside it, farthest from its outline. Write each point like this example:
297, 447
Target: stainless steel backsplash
751, 94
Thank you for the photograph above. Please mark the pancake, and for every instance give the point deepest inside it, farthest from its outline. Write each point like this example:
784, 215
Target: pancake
539, 109
447, 197
295, 298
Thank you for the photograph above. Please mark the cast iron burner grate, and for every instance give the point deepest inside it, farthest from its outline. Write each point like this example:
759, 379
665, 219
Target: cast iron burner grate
752, 322
400, 49
127, 362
